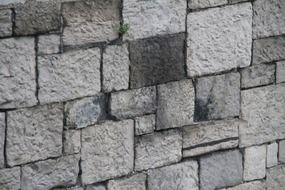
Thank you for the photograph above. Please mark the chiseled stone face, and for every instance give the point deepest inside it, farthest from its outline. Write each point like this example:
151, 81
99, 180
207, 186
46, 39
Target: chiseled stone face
275, 178
5, 22
34, 134
135, 182
107, 151
254, 185
219, 39
198, 4
2, 139
10, 178
49, 44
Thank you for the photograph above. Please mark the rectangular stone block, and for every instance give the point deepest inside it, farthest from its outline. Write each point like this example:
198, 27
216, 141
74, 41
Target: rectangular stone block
219, 39
69, 75
280, 72
198, 4
96, 187
2, 139
135, 182
272, 154
34, 134
281, 151
71, 141
49, 44
5, 23
275, 178
10, 178
255, 185
144, 124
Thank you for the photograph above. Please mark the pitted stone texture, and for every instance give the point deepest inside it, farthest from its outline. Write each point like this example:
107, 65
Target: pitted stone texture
90, 21
257, 75
86, 111
263, 108
156, 17
135, 182
198, 4
17, 73
2, 139
175, 104
34, 134
107, 151
182, 176
268, 50
158, 149
116, 68
254, 163
268, 18
217, 97
275, 178
50, 173
220, 170
282, 151
49, 44
70, 75
95, 187
5, 22
71, 141
132, 103
219, 39
272, 154
10, 178
157, 60
280, 71
144, 124
255, 185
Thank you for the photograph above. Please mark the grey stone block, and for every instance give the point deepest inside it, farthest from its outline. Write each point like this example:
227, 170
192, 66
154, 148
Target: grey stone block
255, 185
49, 44
282, 151
275, 178
198, 4
280, 71
96, 187
5, 23
135, 182
10, 178
71, 141
272, 154
144, 124
2, 139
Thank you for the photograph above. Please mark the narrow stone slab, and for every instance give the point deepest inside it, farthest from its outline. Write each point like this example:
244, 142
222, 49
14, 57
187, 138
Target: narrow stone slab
255, 185
135, 182
272, 155
10, 178
5, 23
49, 44
275, 178
282, 151
198, 4
71, 141
144, 124
2, 139
280, 72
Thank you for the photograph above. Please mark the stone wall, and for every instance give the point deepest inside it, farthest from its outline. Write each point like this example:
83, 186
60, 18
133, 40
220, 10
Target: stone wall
142, 95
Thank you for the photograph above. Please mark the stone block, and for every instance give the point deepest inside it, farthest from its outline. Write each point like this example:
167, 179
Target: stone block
96, 187
5, 23
280, 72
71, 141
198, 4
144, 124
275, 178
10, 178
135, 182
49, 44
272, 154
282, 151
2, 139
255, 185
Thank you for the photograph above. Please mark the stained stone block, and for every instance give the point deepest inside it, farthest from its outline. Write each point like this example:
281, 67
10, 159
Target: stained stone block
5, 22
90, 21
135, 182
2, 139
144, 124
219, 39
157, 60
50, 173
34, 134
221, 170
10, 178
83, 78
71, 141
175, 104
280, 72
198, 4
255, 185
49, 44
107, 151
182, 176
272, 154
217, 97
282, 151
151, 18
275, 178
17, 73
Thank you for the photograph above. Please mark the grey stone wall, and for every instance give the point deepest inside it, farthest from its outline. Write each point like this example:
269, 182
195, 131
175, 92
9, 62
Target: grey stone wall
142, 94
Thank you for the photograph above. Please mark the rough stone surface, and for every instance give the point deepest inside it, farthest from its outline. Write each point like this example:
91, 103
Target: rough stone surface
135, 182
182, 176
282, 151
17, 72
254, 163
157, 60
220, 170
2, 139
280, 71
5, 22
49, 44
86, 111
116, 68
10, 178
198, 4
107, 151
268, 18
7, 2
157, 149
275, 178
132, 103
272, 154
83, 78
263, 108
34, 134
217, 97
175, 104
95, 187
50, 173
144, 124
71, 141
219, 39
236, 1
157, 17
69, 188
90, 21
255, 185
258, 75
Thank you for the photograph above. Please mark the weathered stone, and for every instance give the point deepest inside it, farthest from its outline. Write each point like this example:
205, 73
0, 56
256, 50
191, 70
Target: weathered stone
219, 39
17, 72
157, 17
5, 22
2, 138
268, 18
220, 170
157, 60
49, 44
7, 2
116, 68
258, 75
69, 75
71, 141
132, 103
182, 176
10, 178
86, 111
90, 21
272, 152
217, 97
175, 104
144, 124
254, 163
69, 188
198, 4
50, 173
263, 108
275, 179
282, 151
135, 182
236, 1
158, 149
280, 71
95, 187
268, 50
34, 134
107, 151
254, 185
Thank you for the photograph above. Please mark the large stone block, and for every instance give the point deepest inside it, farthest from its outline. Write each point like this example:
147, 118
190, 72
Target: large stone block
255, 185
5, 22
275, 178
70, 75
49, 44
280, 71
10, 178
135, 182
157, 60
34, 134
219, 39
107, 151
17, 72
263, 108
2, 139
144, 124
198, 4
272, 154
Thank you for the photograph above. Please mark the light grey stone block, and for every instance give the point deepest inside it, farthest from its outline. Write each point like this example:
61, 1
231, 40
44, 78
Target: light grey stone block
96, 187
2, 139
272, 154
7, 2
282, 151
198, 4
135, 182
255, 185
237, 1
49, 44
71, 141
5, 23
144, 124
275, 178
69, 188
10, 178
280, 72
